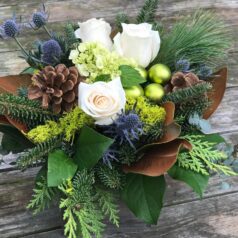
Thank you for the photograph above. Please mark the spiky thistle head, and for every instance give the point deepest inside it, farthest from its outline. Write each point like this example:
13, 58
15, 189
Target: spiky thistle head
204, 72
109, 156
10, 28
127, 128
51, 51
182, 65
39, 18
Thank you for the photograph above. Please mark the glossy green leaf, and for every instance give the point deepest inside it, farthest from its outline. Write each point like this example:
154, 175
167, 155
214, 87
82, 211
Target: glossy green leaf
198, 182
90, 147
144, 196
29, 70
130, 76
103, 78
60, 168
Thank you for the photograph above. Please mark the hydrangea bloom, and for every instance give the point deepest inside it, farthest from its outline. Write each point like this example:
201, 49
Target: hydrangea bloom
92, 60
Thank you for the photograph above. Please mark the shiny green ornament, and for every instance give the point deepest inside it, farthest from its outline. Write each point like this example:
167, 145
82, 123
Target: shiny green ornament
142, 72
159, 73
134, 91
154, 92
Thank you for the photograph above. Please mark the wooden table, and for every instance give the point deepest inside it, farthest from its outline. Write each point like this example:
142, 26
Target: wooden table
184, 214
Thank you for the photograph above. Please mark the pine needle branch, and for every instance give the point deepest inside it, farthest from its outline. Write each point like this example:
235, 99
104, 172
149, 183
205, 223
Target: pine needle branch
148, 11
24, 110
37, 154
121, 18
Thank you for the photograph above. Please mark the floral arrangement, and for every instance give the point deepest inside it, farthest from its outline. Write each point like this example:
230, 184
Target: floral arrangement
108, 113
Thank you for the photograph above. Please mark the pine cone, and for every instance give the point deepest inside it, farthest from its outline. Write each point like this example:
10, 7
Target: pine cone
183, 80
56, 87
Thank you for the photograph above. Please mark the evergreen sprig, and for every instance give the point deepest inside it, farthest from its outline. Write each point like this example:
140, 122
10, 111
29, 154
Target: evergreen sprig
81, 213
24, 110
42, 197
37, 154
203, 39
186, 94
147, 12
107, 202
121, 18
204, 151
109, 177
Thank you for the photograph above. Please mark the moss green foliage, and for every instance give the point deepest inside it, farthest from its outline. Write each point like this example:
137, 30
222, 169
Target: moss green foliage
149, 113
93, 60
204, 157
38, 153
147, 13
43, 196
68, 125
202, 39
81, 213
108, 203
25, 110
110, 177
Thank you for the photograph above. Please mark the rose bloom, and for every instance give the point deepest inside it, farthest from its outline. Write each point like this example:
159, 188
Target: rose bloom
95, 30
102, 101
138, 42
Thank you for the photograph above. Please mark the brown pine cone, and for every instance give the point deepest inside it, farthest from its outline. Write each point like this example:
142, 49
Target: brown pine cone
56, 87
183, 80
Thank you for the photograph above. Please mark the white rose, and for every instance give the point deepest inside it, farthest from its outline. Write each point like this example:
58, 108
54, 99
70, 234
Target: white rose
139, 42
102, 101
95, 30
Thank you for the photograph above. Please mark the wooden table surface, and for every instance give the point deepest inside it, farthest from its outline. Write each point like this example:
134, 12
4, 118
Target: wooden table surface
184, 214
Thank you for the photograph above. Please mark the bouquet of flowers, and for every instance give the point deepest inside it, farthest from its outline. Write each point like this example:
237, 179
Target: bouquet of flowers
108, 113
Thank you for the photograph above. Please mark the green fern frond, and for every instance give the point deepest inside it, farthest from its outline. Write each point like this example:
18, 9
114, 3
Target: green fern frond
186, 94
107, 202
148, 11
110, 177
204, 151
36, 155
42, 197
24, 110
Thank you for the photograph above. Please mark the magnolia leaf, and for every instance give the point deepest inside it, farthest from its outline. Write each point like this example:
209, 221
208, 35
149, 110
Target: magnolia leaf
130, 76
90, 147
198, 182
144, 196
10, 84
218, 82
158, 158
170, 110
60, 168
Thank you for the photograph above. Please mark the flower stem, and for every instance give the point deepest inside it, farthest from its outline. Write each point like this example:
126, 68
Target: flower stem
47, 31
21, 46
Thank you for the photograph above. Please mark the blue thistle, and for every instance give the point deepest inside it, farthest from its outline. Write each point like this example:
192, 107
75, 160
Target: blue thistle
10, 28
39, 18
110, 156
127, 128
204, 71
182, 65
51, 51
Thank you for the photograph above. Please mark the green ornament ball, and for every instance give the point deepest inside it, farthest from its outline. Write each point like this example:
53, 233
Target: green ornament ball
142, 72
154, 92
159, 73
134, 91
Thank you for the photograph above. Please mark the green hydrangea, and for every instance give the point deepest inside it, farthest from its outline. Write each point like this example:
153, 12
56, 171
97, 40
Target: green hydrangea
67, 125
92, 60
149, 113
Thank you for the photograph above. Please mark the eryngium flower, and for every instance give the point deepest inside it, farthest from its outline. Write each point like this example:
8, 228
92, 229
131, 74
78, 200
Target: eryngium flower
51, 51
126, 129
183, 65
10, 28
39, 18
204, 71
109, 156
